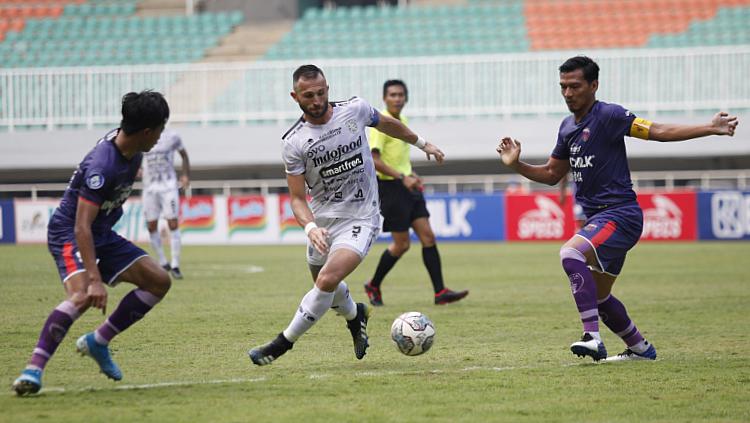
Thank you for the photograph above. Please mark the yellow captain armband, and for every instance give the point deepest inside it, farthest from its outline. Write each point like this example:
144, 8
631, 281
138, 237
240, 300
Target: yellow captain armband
640, 128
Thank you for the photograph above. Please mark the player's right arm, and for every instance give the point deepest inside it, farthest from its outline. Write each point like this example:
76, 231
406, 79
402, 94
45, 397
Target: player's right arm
396, 129
303, 214
549, 173
86, 212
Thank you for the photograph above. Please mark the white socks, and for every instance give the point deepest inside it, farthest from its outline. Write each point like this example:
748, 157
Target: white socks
343, 302
313, 306
640, 347
176, 247
156, 243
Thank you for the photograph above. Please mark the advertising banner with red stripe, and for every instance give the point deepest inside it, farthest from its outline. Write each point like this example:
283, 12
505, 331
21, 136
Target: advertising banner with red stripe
669, 216
197, 213
246, 213
538, 217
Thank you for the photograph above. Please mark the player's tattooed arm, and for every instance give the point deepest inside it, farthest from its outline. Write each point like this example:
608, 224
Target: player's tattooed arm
549, 173
303, 214
85, 215
721, 124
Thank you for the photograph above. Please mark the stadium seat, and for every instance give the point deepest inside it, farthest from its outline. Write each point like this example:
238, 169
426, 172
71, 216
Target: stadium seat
405, 31
104, 32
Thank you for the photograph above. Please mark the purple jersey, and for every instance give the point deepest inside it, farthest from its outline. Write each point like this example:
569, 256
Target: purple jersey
105, 178
595, 148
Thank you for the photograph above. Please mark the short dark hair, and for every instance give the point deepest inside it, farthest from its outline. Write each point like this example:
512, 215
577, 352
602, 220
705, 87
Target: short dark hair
146, 109
395, 83
307, 72
589, 67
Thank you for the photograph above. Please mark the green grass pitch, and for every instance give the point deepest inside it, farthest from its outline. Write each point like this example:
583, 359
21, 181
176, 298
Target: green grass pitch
500, 355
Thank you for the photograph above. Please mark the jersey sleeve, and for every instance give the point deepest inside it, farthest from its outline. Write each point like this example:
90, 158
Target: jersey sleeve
366, 113
377, 140
561, 150
620, 121
294, 161
97, 181
177, 140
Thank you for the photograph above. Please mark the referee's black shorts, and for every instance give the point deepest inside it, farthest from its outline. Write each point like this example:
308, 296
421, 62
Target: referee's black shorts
399, 206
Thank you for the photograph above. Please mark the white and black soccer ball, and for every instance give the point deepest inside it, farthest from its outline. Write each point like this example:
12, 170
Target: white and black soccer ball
413, 333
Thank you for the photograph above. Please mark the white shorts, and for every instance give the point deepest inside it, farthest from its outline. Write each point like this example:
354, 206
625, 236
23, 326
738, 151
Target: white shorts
354, 234
161, 204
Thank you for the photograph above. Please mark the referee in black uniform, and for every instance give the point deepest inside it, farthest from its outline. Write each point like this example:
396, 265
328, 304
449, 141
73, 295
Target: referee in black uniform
402, 203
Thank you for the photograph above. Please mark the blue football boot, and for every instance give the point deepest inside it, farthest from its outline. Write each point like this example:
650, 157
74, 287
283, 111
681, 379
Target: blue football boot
87, 345
30, 382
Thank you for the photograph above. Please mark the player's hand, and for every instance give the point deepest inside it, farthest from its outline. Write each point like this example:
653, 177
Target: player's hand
509, 150
319, 239
724, 124
97, 294
184, 182
432, 150
411, 182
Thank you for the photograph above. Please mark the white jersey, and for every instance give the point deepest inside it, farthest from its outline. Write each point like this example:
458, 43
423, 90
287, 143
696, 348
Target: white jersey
336, 161
158, 164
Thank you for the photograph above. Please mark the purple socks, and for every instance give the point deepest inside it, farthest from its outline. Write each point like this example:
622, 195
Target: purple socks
583, 286
614, 315
53, 332
130, 310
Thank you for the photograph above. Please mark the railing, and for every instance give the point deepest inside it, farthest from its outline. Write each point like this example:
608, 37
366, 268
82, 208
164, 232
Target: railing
664, 180
644, 80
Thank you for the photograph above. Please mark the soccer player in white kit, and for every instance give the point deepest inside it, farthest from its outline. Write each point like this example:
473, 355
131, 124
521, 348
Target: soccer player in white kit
161, 195
327, 151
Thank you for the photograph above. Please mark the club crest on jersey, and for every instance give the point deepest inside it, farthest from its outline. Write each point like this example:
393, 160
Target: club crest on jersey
95, 181
351, 124
586, 134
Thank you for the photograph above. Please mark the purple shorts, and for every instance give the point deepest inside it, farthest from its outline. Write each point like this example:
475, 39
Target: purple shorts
612, 232
114, 254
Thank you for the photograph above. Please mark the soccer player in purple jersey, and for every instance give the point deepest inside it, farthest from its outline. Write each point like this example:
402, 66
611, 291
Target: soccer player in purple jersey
590, 144
89, 254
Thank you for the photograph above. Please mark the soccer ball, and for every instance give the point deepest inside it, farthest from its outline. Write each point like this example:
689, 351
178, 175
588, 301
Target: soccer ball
413, 333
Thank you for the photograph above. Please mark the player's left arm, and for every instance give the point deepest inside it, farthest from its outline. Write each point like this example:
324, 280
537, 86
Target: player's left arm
394, 128
185, 176
721, 124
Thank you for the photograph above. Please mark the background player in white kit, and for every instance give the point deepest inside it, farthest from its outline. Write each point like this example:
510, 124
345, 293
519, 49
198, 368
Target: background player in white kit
161, 196
327, 150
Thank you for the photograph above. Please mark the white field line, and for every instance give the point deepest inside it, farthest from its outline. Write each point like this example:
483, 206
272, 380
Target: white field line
368, 373
155, 385
243, 268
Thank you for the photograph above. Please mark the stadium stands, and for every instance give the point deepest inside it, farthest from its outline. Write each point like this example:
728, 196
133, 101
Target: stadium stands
575, 24
406, 31
75, 33
40, 33
504, 26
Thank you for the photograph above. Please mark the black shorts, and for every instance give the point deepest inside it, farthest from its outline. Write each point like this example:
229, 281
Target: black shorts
399, 206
